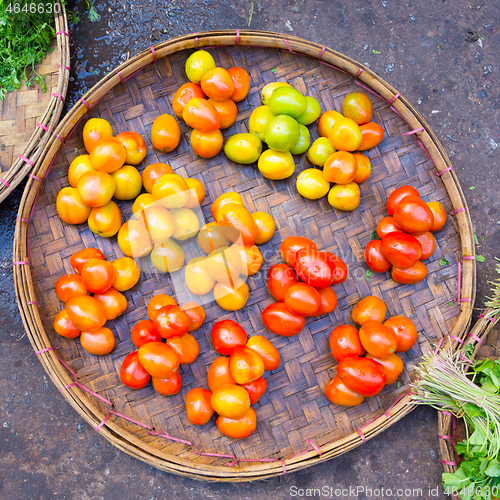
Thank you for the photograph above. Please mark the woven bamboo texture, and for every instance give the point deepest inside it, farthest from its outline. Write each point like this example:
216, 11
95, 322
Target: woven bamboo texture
297, 426
28, 116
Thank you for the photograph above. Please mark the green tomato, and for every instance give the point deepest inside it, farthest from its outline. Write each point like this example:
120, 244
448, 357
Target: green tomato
266, 92
259, 119
276, 165
304, 141
243, 148
287, 101
282, 133
197, 64
320, 150
311, 113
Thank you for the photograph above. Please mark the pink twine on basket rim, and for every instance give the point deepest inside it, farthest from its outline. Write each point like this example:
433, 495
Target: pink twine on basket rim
46, 349
103, 421
62, 33
449, 169
395, 97
90, 391
475, 337
153, 51
459, 340
36, 178
121, 77
5, 183
459, 286
335, 67
322, 52
414, 131
446, 462
66, 67
218, 455
237, 37
458, 210
196, 40
26, 160
315, 447
60, 97
491, 318
42, 126
469, 257
87, 105
287, 45
32, 303
236, 460
421, 144
21, 263
166, 435
358, 74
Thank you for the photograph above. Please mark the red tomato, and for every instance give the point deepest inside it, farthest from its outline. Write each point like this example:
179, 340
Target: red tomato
227, 335
198, 407
401, 250
371, 135
392, 366
158, 359
340, 269
404, 330
267, 351
397, 195
157, 301
413, 215
98, 275
291, 245
239, 428
386, 226
183, 94
428, 244
168, 386
78, 259
200, 114
186, 348
328, 301
280, 278
362, 375
143, 332
196, 315
410, 276
375, 257
231, 401
314, 268
341, 394
114, 303
344, 342
241, 80
98, 342
70, 285
377, 339
245, 365
219, 374
280, 320
64, 326
217, 84
303, 299
370, 308
439, 215
132, 373
256, 389
86, 313
171, 321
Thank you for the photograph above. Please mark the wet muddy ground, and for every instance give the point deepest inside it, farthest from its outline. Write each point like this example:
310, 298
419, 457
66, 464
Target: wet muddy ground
428, 53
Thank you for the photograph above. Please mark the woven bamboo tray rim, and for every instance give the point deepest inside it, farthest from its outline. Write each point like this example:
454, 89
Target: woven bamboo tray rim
28, 160
25, 289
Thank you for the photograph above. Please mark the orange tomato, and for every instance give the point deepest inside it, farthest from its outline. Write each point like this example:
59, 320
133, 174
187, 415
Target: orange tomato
377, 339
289, 248
70, 285
341, 167
256, 389
196, 315
105, 221
128, 183
167, 257
127, 273
239, 218
78, 259
133, 239
239, 428
85, 313
303, 299
108, 155
171, 191
358, 107
404, 330
183, 94
241, 80
79, 166
344, 342
341, 394
372, 135
328, 301
387, 225
134, 146
143, 332
65, 327
211, 237
158, 359
159, 223
245, 365
370, 308
345, 135
152, 173
171, 321
428, 243
141, 202
197, 278
410, 276
98, 342
364, 168
70, 206
206, 144
225, 199
219, 374
113, 302
231, 297
217, 84
326, 122
250, 259
157, 301
227, 112
94, 130
280, 320
186, 348
269, 354
98, 275
197, 192
391, 365
96, 188
165, 133
265, 227
168, 386
230, 401
201, 115
198, 407
439, 213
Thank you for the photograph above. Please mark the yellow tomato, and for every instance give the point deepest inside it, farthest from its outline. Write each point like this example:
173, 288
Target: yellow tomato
250, 257
224, 264
133, 239
197, 278
321, 149
141, 202
225, 199
364, 167
128, 183
79, 166
127, 273
171, 191
276, 165
211, 236
268, 89
259, 120
70, 206
344, 196
167, 256
265, 227
94, 130
153, 172
134, 146
198, 195
105, 221
197, 64
231, 297
326, 122
345, 135
159, 223
186, 223
312, 185
96, 188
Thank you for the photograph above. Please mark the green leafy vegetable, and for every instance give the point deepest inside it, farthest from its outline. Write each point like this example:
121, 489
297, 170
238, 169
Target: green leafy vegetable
480, 258
376, 51
476, 241
368, 274
472, 188
443, 262
375, 235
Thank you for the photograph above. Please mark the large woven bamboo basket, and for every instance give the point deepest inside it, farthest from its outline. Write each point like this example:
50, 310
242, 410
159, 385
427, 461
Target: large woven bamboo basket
297, 426
29, 116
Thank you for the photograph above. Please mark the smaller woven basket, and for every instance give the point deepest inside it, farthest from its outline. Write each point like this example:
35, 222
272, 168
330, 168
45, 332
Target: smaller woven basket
29, 116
